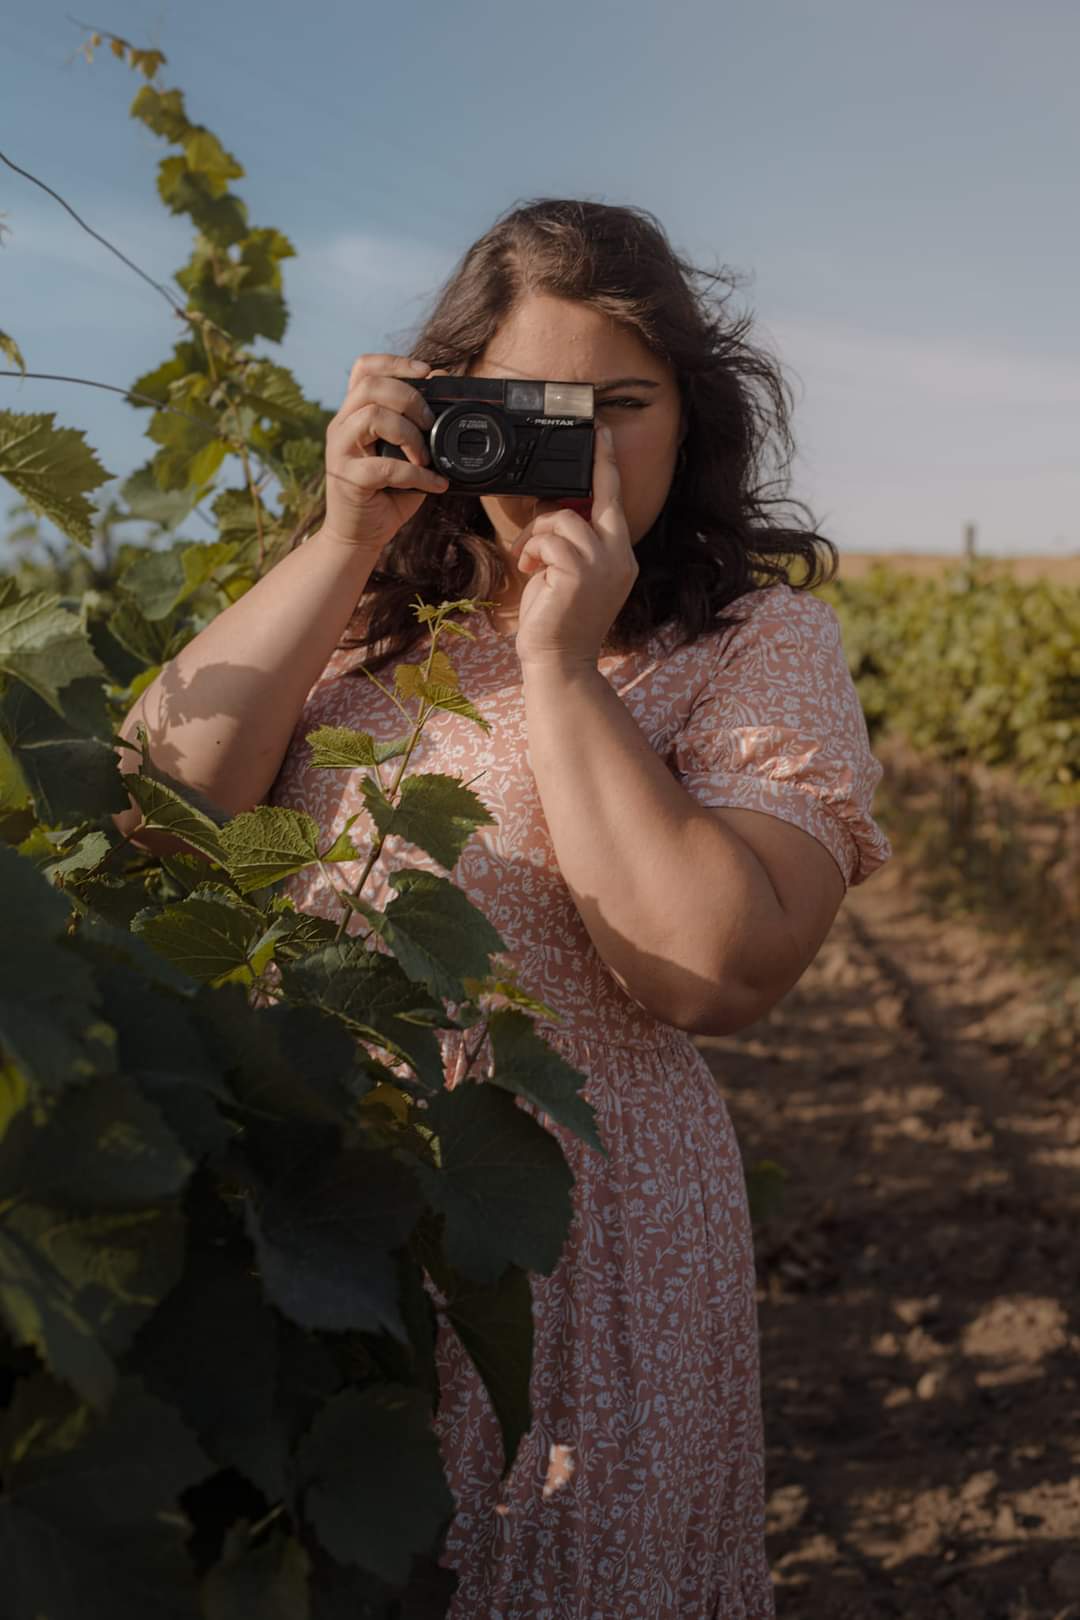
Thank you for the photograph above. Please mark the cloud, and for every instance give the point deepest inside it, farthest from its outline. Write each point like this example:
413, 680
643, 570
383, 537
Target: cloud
837, 355
156, 243
368, 261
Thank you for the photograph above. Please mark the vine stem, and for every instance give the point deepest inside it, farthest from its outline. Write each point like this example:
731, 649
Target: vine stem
421, 718
158, 286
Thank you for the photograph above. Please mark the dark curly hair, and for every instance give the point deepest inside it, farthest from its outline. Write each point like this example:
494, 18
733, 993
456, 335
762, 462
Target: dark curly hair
716, 538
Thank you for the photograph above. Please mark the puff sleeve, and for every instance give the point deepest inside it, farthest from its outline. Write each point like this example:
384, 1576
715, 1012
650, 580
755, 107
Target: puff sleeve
777, 726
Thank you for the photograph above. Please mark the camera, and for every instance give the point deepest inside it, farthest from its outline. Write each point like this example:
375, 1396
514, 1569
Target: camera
501, 436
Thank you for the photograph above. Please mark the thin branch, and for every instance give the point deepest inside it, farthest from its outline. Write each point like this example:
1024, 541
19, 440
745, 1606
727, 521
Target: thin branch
133, 393
158, 286
128, 393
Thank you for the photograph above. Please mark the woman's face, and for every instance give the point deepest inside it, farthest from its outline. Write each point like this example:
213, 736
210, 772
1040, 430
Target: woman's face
555, 340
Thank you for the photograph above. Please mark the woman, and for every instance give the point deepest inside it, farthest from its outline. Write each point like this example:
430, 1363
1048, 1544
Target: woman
682, 781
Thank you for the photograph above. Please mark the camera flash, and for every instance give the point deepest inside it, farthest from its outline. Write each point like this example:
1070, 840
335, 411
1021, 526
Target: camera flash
568, 399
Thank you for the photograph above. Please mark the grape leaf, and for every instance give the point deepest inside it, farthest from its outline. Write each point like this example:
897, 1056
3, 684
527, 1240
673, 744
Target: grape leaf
212, 938
340, 747
89, 1527
164, 809
375, 1491
503, 1183
52, 468
437, 813
9, 347
160, 580
436, 933
263, 845
42, 644
525, 1065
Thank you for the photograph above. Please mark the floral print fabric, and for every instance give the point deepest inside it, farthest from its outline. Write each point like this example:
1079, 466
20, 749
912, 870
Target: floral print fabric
638, 1493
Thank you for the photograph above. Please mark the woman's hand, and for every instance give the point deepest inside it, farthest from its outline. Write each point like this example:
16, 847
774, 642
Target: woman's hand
369, 497
582, 572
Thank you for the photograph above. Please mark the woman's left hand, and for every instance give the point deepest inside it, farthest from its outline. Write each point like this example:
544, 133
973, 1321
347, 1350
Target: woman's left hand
582, 572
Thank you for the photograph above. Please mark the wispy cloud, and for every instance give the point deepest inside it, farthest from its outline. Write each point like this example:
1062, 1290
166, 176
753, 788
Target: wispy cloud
839, 355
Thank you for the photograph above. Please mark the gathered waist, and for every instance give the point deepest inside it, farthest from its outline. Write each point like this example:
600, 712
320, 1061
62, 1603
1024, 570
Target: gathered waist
589, 1048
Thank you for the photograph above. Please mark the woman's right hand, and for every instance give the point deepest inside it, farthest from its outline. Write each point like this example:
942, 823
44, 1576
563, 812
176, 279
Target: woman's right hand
368, 496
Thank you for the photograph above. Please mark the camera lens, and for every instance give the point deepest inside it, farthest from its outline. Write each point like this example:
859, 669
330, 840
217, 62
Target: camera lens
471, 442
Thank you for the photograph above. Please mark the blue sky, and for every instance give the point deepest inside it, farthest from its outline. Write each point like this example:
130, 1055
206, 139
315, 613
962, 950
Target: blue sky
895, 181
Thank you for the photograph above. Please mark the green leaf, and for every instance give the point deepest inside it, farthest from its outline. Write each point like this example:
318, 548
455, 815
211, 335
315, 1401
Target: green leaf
503, 1183
90, 1527
266, 844
323, 1240
370, 994
436, 933
86, 1252
212, 939
9, 347
301, 933
88, 852
270, 1580
161, 111
288, 1065
437, 813
186, 359
160, 580
525, 1065
75, 778
343, 848
149, 640
192, 446
408, 679
163, 808
339, 747
375, 1491
14, 791
223, 1383
272, 390
222, 219
104, 1148
206, 156
52, 468
43, 645
49, 1005
153, 505
453, 702
495, 1324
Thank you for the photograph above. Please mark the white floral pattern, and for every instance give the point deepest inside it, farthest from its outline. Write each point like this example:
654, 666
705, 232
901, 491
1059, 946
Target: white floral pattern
638, 1492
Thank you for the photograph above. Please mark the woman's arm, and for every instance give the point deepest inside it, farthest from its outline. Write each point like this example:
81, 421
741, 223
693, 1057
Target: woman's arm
220, 714
705, 916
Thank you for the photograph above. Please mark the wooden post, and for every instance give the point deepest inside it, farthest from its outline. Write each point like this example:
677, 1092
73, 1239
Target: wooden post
969, 542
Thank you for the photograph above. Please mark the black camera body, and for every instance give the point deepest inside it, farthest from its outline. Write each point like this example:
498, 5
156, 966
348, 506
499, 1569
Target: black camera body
502, 436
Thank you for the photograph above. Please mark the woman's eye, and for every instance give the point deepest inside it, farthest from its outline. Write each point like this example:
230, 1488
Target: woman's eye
635, 404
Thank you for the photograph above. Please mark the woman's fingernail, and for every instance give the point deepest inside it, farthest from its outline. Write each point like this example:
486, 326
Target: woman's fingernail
606, 435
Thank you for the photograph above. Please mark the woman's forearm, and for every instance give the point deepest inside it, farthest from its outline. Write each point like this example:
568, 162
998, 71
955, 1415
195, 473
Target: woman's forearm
220, 714
677, 905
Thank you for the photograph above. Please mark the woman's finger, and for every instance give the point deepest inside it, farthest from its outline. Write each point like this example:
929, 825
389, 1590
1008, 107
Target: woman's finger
552, 551
386, 365
396, 395
566, 523
372, 473
608, 518
364, 427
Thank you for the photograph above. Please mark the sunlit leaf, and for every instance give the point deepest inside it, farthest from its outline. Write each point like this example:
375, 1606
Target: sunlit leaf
53, 469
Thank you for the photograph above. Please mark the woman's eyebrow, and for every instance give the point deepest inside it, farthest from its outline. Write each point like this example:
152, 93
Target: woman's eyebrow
626, 382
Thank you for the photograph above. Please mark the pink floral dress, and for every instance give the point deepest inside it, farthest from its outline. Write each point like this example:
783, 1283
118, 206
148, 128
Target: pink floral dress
639, 1492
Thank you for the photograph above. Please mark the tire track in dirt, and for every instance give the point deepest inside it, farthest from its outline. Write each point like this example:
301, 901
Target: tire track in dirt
918, 1297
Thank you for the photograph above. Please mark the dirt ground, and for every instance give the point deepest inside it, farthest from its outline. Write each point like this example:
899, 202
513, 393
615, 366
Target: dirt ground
919, 1285
1062, 570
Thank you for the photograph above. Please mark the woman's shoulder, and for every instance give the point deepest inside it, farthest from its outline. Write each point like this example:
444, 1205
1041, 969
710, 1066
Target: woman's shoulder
778, 616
